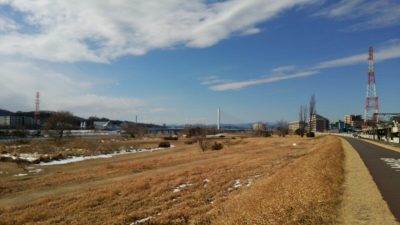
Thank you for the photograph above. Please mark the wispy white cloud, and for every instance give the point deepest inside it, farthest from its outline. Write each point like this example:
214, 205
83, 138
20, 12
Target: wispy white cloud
244, 84
387, 51
284, 69
211, 80
390, 50
7, 25
366, 14
100, 31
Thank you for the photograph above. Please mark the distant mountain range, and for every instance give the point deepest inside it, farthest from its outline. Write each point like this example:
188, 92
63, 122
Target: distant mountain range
5, 112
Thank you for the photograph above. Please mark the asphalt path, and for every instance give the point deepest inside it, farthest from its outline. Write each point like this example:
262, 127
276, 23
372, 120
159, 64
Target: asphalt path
384, 166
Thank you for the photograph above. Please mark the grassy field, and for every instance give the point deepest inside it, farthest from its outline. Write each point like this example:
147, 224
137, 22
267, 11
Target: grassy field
251, 181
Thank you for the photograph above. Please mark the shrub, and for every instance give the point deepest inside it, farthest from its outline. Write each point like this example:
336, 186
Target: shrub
164, 144
189, 142
311, 134
217, 146
171, 138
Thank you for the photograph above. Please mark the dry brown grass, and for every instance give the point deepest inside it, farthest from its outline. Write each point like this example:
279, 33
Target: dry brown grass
305, 192
301, 181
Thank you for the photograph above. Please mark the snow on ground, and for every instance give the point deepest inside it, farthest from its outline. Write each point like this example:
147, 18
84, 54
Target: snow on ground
35, 170
205, 182
33, 157
20, 175
180, 187
237, 183
142, 220
249, 182
145, 219
235, 186
25, 156
103, 156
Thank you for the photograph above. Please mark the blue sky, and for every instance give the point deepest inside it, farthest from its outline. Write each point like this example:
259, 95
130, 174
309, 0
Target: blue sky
258, 60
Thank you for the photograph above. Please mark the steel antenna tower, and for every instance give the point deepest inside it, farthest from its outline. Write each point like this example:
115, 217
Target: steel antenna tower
371, 102
37, 109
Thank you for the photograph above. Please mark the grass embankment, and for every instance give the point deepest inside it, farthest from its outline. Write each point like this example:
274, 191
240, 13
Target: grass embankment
305, 192
251, 181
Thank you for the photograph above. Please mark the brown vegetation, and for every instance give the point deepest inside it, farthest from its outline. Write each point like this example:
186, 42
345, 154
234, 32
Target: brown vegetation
253, 180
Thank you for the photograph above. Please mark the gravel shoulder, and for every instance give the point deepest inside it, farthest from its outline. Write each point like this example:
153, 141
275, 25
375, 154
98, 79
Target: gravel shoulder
362, 202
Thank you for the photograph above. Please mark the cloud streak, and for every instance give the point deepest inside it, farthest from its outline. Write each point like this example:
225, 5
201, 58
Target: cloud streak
368, 14
244, 84
390, 50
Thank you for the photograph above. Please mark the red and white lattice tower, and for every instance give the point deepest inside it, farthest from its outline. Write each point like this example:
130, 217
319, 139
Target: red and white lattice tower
371, 102
37, 109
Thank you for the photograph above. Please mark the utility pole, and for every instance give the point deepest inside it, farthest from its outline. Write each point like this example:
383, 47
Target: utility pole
218, 119
37, 110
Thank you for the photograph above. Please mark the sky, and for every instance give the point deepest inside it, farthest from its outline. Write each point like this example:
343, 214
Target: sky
177, 61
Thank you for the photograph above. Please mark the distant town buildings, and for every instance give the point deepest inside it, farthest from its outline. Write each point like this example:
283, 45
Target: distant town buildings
339, 126
354, 121
319, 123
259, 127
295, 125
106, 125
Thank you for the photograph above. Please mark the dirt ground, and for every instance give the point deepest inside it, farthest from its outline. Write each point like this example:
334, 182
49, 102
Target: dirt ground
362, 202
183, 185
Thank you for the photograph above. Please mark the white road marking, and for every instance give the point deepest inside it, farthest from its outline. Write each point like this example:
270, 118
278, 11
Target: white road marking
393, 163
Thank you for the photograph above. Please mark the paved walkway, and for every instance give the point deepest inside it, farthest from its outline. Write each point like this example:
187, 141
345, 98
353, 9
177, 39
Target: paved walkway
384, 166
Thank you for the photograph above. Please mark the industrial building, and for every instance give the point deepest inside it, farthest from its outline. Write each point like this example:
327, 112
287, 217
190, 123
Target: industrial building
354, 121
319, 123
16, 121
339, 126
259, 126
295, 125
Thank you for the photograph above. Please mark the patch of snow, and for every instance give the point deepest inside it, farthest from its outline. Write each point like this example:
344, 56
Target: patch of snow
9, 156
142, 220
35, 171
180, 187
249, 182
29, 157
205, 182
20, 175
294, 144
74, 159
25, 156
237, 184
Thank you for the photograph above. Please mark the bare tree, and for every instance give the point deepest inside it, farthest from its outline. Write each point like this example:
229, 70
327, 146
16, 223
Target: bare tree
135, 129
302, 120
282, 128
312, 111
58, 123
